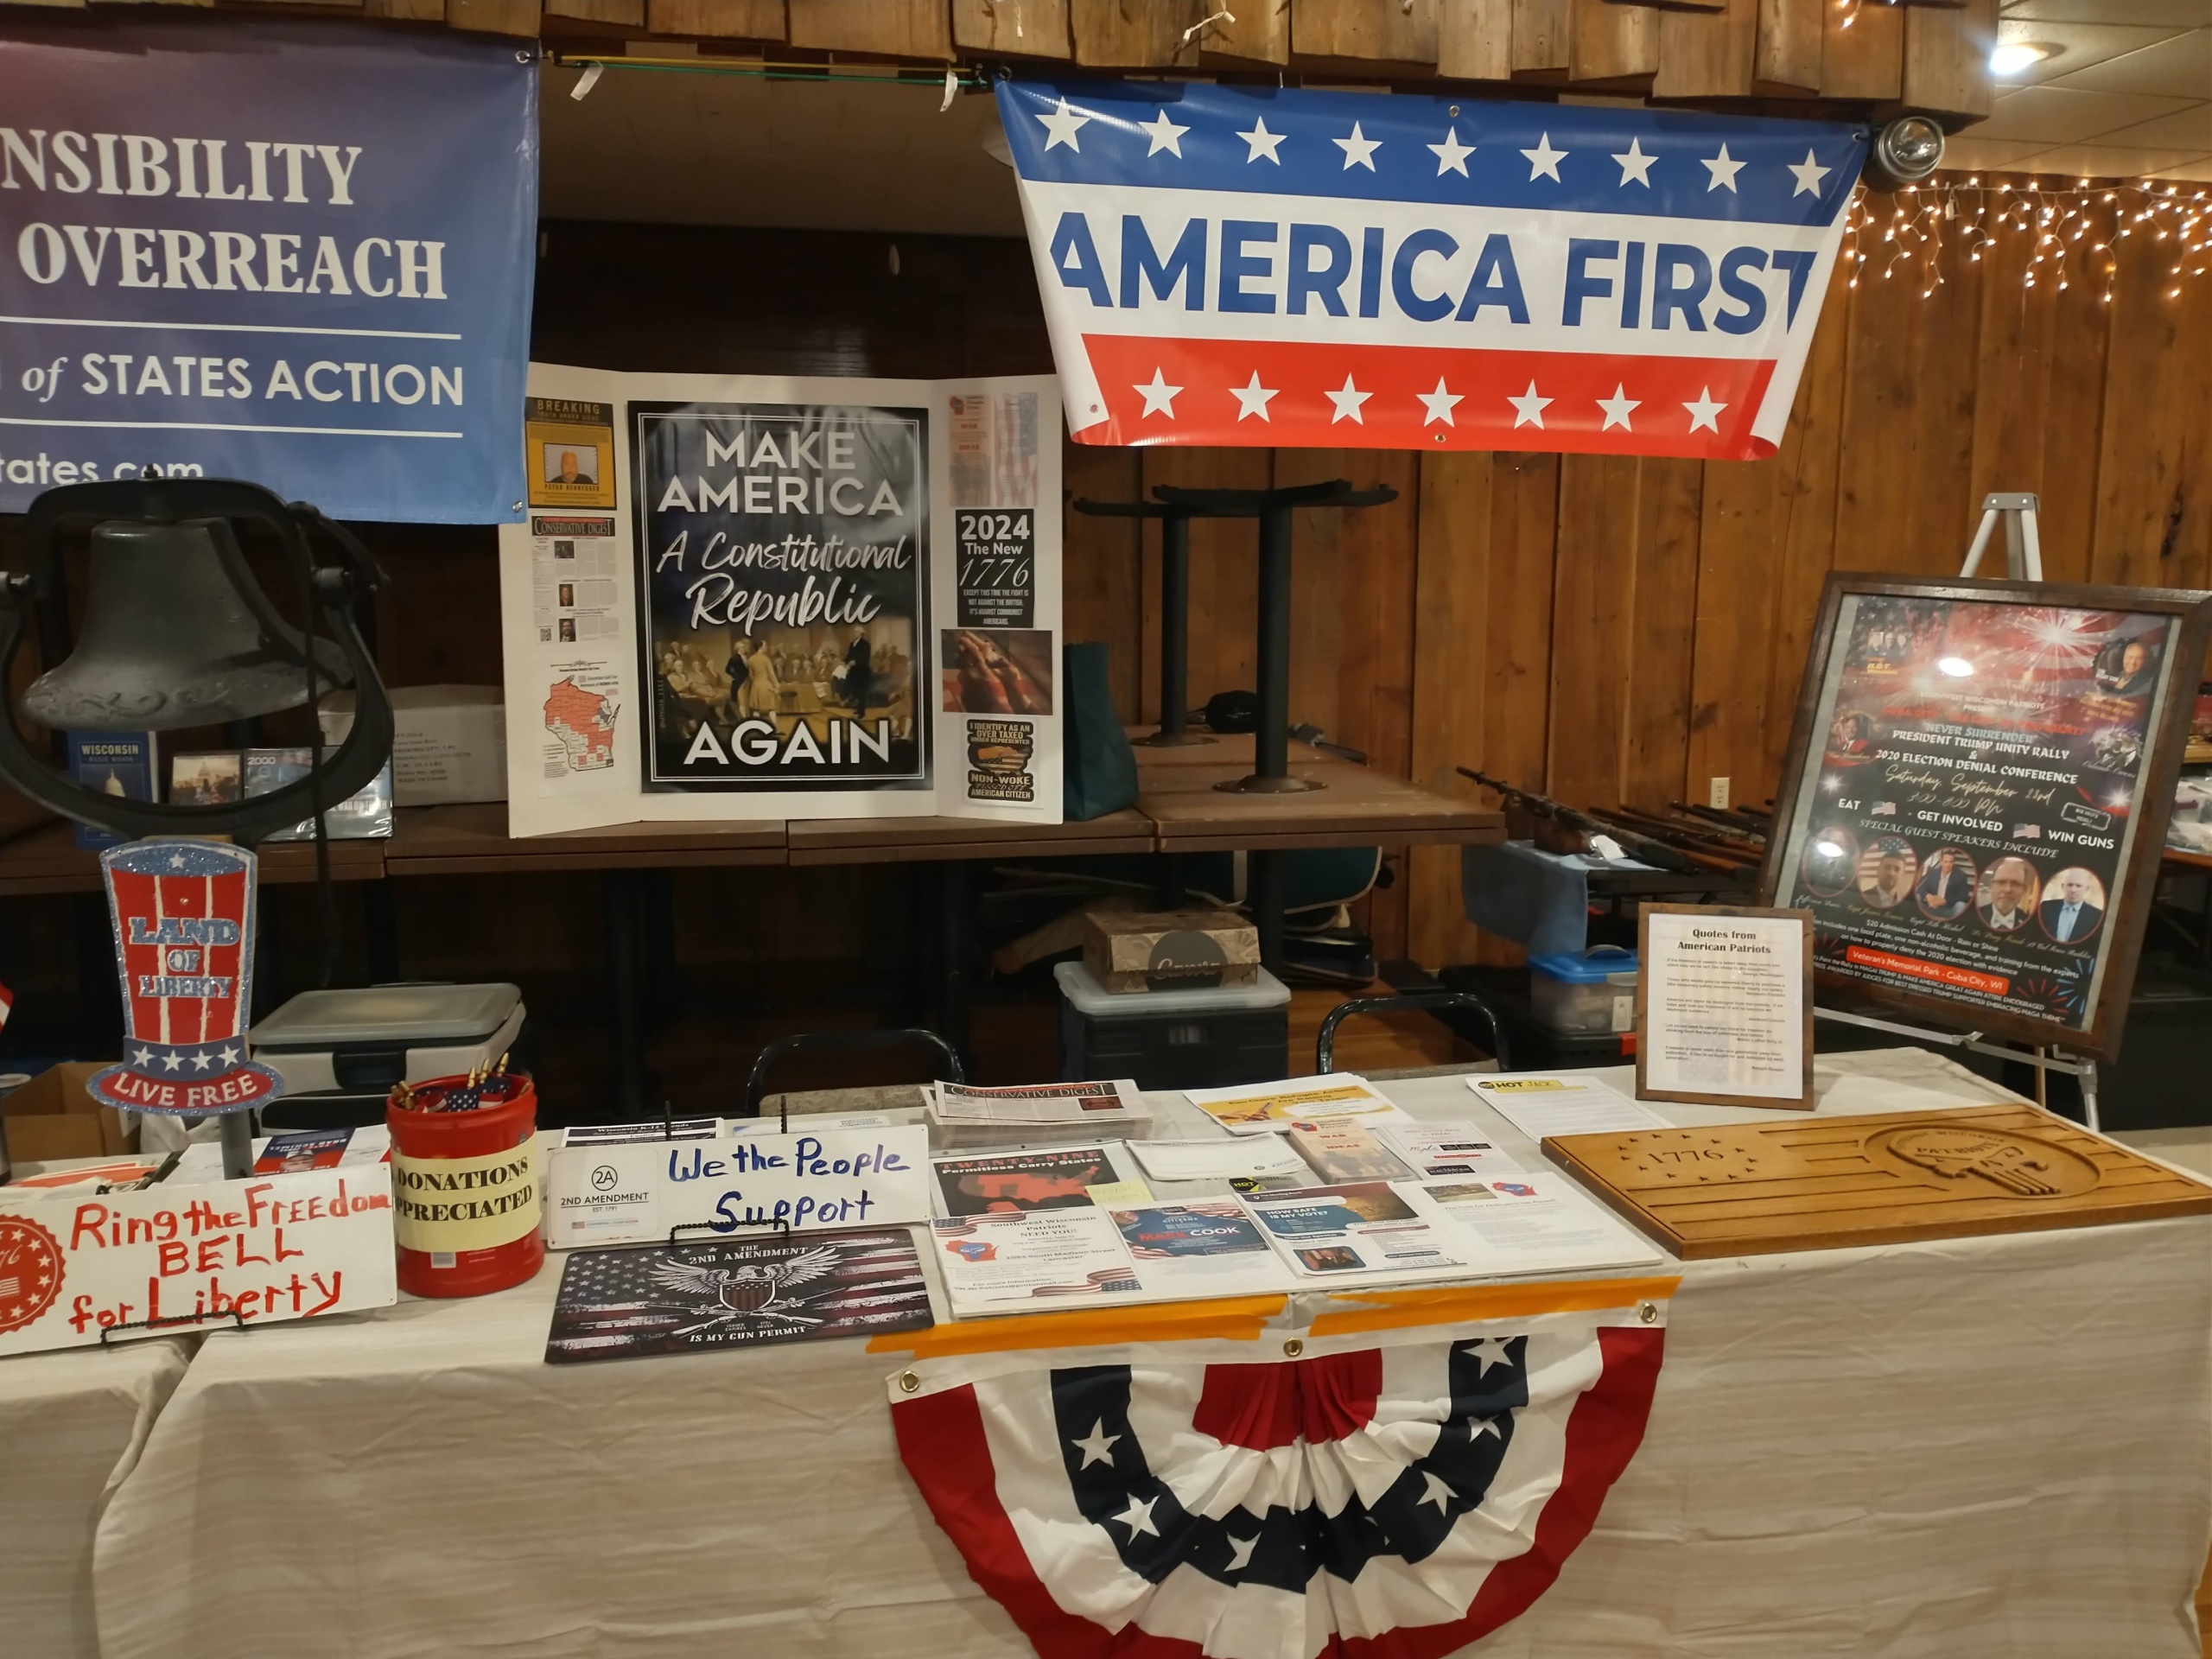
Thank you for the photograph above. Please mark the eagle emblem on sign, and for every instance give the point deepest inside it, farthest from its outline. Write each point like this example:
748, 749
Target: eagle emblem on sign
749, 1290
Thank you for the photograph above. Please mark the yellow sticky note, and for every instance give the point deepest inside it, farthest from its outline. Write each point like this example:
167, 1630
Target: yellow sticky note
1108, 1193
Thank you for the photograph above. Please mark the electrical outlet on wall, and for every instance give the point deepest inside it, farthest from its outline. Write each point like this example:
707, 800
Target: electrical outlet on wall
1716, 791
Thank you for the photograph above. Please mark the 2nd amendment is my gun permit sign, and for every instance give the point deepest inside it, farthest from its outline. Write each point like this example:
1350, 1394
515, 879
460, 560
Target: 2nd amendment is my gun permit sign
1826, 1183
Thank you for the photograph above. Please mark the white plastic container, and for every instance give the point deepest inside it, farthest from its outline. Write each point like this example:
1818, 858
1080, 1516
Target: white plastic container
1576, 996
363, 1040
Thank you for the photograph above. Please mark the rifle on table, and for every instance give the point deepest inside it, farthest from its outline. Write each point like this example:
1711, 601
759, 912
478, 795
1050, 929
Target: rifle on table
1637, 845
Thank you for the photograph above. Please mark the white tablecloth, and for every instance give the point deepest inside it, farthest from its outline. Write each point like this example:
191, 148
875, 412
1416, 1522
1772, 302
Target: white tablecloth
1991, 1446
71, 1428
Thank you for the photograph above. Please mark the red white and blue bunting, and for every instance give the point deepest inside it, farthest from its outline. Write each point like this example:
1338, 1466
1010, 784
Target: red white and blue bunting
1239, 265
1391, 1494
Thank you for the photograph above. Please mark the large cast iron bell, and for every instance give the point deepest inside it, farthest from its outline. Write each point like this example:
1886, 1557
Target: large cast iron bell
170, 640
177, 632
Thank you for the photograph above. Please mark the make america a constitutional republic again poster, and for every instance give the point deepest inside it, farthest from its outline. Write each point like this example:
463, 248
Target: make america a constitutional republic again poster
1272, 266
755, 597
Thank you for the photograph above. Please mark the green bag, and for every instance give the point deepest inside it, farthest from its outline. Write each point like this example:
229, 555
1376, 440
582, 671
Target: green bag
1098, 767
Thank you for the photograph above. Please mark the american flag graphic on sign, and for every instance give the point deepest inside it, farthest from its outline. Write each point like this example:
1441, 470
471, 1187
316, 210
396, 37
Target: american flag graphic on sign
1389, 1494
183, 915
1263, 266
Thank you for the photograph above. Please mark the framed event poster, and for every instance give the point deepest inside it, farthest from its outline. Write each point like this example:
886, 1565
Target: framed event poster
1724, 1006
1976, 795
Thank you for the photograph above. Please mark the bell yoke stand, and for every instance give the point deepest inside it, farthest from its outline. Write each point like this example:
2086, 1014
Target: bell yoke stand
177, 634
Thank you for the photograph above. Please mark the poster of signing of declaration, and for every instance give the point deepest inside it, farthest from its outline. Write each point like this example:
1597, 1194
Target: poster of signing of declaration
747, 598
1976, 792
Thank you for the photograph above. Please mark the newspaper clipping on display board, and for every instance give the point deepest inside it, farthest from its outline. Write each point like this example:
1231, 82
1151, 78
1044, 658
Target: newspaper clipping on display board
753, 597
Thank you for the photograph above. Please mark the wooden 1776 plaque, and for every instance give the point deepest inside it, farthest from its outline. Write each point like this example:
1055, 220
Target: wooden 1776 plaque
1824, 1183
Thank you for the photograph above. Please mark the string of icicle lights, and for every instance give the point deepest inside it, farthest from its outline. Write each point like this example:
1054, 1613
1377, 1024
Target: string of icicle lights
2080, 232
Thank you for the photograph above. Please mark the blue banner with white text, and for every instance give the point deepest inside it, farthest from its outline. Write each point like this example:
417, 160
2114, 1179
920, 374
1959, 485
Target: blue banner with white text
296, 253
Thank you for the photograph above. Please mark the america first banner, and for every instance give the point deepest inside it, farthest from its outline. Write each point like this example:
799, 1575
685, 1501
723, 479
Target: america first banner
1239, 265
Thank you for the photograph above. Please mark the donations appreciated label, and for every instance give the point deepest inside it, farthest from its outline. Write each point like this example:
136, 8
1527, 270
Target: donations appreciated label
290, 252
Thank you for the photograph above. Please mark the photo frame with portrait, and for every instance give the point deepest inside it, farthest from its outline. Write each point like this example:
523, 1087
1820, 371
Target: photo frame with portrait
1975, 797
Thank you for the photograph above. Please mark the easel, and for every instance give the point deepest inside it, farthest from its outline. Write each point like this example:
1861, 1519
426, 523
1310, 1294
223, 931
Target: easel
2023, 562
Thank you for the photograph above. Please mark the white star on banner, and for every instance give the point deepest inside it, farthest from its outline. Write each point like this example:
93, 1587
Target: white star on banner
1810, 173
1252, 399
1484, 1345
1439, 404
1481, 1428
1138, 1516
1705, 412
1724, 172
1359, 150
1098, 1446
1260, 142
1451, 155
1636, 164
1437, 1493
1240, 1551
1165, 135
1619, 408
1159, 397
1527, 410
1348, 401
1544, 161
1063, 124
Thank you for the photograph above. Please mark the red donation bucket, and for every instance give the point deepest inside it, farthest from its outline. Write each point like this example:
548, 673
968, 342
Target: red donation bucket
467, 1193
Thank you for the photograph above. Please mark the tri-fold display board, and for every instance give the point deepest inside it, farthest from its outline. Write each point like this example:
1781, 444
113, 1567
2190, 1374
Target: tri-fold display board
746, 597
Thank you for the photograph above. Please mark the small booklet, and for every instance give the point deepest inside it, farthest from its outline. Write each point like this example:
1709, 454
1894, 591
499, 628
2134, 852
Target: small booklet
1561, 1102
1376, 1229
617, 1135
1261, 1107
286, 1155
1037, 1177
1344, 1149
664, 1299
1537, 1221
1450, 1150
1020, 1262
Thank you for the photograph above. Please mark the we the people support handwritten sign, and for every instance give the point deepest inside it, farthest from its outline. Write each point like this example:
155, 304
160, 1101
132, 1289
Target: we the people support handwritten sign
748, 1184
280, 1247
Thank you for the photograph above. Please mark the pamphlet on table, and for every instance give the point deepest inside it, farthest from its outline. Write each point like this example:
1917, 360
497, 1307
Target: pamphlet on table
1561, 1102
1537, 1221
1363, 1229
1264, 1108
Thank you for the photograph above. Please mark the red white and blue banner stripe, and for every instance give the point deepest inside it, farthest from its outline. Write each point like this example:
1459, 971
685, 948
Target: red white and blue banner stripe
1263, 266
1368, 1494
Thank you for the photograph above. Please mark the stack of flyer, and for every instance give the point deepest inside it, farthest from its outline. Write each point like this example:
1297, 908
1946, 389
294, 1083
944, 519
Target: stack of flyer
962, 1115
1359, 1194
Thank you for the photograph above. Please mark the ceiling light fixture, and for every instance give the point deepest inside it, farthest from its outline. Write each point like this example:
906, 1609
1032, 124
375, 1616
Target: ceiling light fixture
2016, 57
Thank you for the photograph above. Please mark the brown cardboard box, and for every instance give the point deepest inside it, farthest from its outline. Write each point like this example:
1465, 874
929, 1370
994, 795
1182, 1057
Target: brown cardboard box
1174, 949
52, 1116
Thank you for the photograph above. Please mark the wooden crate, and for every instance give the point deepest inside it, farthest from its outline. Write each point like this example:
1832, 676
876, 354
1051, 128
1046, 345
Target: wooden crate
1824, 1183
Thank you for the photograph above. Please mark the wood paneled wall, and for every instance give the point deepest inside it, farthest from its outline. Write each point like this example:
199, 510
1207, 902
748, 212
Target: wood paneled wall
1621, 631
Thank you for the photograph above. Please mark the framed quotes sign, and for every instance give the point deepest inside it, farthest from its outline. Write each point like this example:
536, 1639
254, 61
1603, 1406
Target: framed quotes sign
1976, 792
1724, 1006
